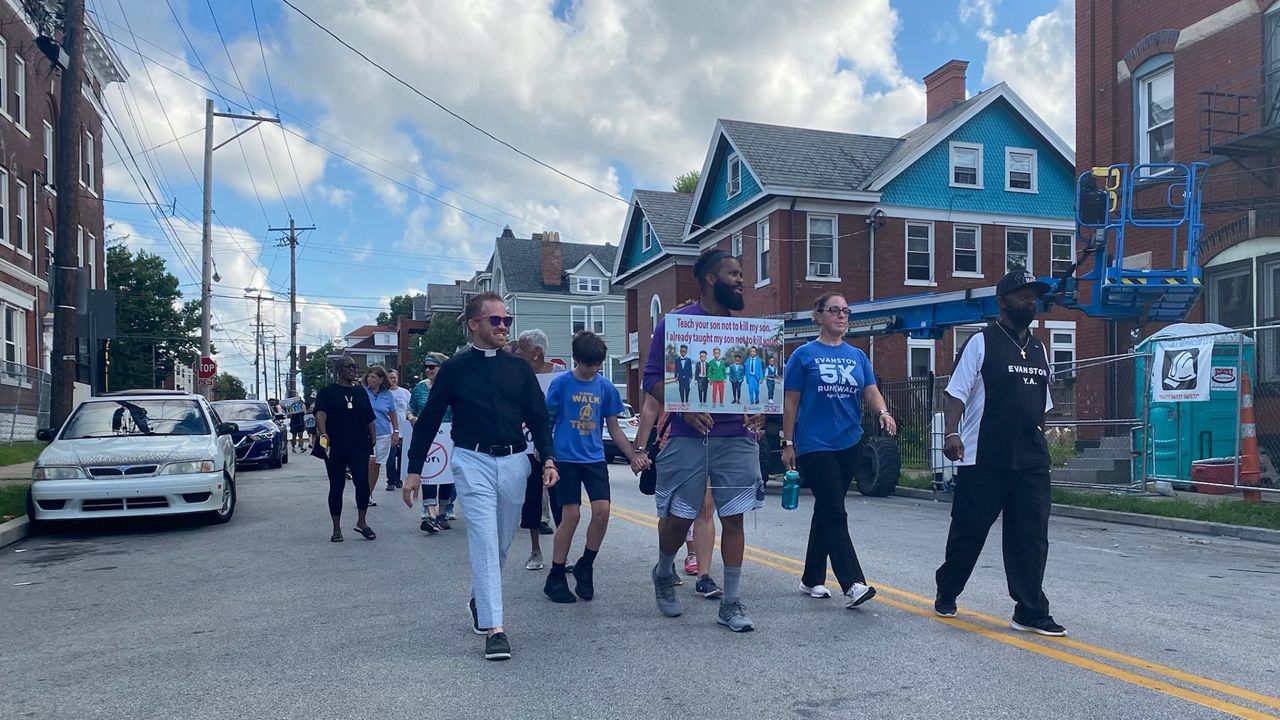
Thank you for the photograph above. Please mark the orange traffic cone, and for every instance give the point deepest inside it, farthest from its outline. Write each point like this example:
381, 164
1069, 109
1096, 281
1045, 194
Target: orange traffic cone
1250, 462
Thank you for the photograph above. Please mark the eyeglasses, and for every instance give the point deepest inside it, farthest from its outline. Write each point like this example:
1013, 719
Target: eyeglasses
349, 366
838, 310
505, 321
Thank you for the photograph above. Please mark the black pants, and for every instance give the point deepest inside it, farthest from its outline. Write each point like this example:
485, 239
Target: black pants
393, 465
982, 493
684, 389
531, 511
336, 467
737, 391
829, 475
702, 389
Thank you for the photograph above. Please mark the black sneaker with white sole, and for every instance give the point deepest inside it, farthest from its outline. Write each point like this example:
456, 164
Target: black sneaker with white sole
428, 527
944, 608
497, 647
475, 619
1043, 626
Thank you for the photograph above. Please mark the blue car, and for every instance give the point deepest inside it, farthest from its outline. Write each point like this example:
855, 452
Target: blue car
259, 439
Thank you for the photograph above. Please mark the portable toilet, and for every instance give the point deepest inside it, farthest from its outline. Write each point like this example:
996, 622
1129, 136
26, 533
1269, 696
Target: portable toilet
1186, 431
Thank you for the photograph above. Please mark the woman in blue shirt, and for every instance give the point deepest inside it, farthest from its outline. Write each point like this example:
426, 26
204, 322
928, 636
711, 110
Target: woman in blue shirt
386, 422
824, 382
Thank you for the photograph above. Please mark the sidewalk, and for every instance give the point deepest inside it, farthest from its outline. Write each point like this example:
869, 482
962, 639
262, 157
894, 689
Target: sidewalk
21, 472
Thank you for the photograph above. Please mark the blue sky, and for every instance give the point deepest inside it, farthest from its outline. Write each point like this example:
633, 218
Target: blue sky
616, 95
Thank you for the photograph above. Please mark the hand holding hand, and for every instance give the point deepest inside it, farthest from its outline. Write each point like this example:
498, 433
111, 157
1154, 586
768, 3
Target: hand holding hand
640, 463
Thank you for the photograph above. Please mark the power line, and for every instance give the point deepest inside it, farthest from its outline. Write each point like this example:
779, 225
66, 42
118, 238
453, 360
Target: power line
266, 69
460, 118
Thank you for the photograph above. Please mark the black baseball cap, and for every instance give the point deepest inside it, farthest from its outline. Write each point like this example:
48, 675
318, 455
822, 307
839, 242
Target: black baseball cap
1016, 280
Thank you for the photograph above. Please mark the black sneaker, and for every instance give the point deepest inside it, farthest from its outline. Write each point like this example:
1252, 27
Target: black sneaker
428, 527
944, 608
475, 619
557, 588
586, 587
497, 647
442, 522
1044, 626
546, 530
391, 487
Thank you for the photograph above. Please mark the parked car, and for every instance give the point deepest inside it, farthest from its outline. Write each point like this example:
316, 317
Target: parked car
629, 421
260, 438
139, 452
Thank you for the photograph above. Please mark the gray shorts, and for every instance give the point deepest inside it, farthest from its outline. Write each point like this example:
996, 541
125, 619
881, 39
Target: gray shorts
685, 464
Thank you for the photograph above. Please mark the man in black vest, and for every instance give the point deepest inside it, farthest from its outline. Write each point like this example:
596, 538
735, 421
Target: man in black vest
994, 413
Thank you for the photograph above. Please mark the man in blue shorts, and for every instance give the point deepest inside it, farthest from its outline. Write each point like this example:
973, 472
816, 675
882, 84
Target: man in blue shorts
721, 448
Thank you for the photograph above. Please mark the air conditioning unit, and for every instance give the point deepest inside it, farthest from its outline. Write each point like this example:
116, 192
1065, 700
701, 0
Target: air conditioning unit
820, 269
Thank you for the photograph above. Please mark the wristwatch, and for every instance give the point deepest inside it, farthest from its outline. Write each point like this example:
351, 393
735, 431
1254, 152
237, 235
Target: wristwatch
787, 443
883, 413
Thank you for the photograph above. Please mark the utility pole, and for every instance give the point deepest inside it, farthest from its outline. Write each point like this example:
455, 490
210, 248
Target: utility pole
275, 352
65, 254
259, 348
206, 238
292, 242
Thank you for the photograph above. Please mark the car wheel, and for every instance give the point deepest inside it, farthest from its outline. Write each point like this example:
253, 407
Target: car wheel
224, 513
880, 467
34, 526
285, 459
275, 461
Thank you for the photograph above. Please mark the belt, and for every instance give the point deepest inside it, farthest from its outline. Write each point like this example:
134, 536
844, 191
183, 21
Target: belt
494, 450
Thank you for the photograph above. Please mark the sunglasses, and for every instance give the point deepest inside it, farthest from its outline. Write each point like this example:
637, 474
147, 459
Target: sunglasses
505, 321
349, 366
836, 310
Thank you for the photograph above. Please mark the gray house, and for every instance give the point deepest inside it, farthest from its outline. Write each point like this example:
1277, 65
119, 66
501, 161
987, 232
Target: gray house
561, 288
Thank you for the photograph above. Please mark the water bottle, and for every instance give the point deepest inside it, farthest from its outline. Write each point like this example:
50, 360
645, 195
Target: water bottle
790, 490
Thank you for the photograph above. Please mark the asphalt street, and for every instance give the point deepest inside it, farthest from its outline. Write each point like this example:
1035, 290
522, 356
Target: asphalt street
265, 618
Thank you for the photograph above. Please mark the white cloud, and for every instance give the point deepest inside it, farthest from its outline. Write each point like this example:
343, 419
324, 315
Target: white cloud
1039, 64
981, 12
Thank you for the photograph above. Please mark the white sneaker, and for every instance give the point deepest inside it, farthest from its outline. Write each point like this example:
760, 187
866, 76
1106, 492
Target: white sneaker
858, 594
817, 591
534, 562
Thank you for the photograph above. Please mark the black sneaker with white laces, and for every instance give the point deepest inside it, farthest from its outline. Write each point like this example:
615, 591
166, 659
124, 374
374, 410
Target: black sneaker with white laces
1043, 626
497, 647
428, 527
944, 608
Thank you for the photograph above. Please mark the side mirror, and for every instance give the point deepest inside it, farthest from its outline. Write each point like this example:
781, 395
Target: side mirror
227, 428
45, 434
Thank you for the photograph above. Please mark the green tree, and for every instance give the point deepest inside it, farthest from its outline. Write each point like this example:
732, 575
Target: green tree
228, 387
444, 336
401, 306
155, 329
687, 182
315, 371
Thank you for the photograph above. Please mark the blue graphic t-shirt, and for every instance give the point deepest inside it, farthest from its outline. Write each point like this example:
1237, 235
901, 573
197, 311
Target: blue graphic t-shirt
830, 380
579, 409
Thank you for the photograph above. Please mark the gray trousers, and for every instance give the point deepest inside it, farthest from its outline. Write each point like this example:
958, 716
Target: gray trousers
491, 489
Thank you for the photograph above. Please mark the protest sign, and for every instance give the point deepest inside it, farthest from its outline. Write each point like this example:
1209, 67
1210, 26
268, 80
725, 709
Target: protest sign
723, 365
436, 470
293, 406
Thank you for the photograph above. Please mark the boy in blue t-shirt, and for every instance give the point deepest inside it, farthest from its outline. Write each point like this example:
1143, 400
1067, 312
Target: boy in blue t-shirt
582, 403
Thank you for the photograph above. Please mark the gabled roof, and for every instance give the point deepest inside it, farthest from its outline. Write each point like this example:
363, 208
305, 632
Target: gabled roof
667, 213
804, 159
440, 295
521, 260
369, 330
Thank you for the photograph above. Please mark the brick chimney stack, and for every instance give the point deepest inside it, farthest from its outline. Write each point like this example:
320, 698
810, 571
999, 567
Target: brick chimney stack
552, 265
944, 88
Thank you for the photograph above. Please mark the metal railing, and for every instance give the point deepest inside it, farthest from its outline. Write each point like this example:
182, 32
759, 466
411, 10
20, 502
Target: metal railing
912, 402
24, 402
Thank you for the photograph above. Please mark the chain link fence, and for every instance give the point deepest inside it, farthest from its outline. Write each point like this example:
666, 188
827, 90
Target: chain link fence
24, 402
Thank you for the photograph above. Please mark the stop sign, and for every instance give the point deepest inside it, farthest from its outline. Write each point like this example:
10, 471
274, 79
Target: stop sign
208, 368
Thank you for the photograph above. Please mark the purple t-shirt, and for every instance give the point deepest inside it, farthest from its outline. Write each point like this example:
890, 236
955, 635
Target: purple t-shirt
726, 424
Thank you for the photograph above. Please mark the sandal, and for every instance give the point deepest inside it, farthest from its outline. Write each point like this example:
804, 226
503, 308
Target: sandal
367, 532
336, 536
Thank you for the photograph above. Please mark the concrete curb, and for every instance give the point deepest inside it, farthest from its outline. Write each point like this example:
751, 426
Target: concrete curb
14, 530
1200, 527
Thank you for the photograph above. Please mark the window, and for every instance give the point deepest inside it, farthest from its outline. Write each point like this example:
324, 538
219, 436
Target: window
1017, 249
597, 319
91, 262
1062, 352
4, 76
19, 91
655, 314
1020, 170
48, 154
15, 337
1062, 253
1155, 115
48, 243
735, 245
919, 357
967, 250
20, 217
822, 246
1268, 348
1231, 295
86, 161
919, 252
577, 318
1271, 64
966, 165
733, 183
962, 335
4, 206
762, 250
646, 236
588, 285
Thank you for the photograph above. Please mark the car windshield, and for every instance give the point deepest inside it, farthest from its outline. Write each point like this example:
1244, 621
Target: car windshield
240, 411
114, 418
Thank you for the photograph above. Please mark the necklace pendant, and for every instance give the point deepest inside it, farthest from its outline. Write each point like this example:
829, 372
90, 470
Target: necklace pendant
351, 407
1023, 352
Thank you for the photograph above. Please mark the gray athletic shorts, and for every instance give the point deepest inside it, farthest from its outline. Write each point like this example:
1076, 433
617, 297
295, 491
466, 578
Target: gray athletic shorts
732, 463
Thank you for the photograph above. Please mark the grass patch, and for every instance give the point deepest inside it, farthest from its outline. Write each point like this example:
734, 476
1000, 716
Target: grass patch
20, 452
1230, 512
919, 482
13, 500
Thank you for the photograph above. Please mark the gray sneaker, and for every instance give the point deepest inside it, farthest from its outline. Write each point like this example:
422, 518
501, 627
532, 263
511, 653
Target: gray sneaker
534, 562
664, 591
734, 616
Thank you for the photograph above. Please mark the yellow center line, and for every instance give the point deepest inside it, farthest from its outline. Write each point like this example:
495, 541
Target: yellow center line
792, 566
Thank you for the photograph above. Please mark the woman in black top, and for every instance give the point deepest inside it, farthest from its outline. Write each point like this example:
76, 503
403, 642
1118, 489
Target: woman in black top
344, 420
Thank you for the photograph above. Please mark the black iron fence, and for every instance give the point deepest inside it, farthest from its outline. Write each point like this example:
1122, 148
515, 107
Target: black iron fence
912, 402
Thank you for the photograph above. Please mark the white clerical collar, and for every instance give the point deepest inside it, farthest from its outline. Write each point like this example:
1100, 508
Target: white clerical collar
487, 352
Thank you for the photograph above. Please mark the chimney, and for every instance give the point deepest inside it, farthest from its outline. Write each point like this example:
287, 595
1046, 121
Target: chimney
551, 263
944, 88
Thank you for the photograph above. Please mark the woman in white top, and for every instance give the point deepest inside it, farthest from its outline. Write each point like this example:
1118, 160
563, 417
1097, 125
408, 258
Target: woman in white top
399, 457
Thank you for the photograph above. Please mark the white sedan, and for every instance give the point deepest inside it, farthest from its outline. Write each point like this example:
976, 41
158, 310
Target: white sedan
138, 452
